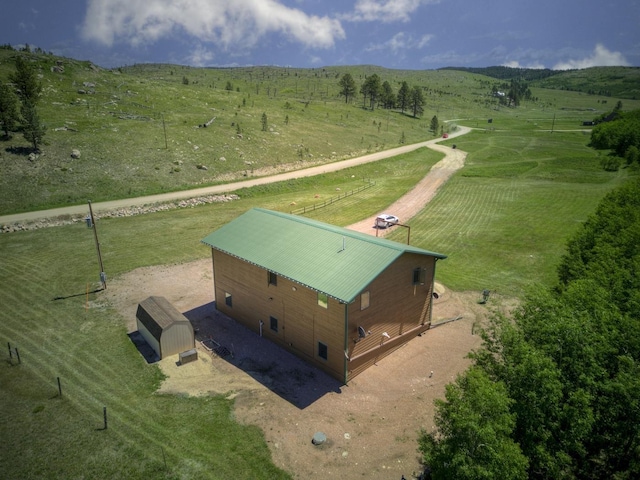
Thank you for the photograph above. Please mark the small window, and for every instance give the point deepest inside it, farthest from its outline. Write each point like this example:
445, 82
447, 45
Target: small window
418, 276
323, 300
227, 299
273, 324
273, 279
364, 300
323, 351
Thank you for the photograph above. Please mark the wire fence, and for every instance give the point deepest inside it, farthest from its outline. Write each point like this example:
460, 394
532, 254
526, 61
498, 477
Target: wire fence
332, 200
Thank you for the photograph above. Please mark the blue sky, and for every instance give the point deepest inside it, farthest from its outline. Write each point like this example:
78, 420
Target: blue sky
403, 34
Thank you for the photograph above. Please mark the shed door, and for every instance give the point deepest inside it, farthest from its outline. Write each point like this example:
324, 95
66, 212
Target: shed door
298, 333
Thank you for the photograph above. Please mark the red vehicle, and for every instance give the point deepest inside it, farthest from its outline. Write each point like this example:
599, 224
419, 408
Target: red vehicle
445, 135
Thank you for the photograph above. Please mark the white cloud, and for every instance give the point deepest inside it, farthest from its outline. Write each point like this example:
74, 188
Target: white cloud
601, 58
385, 10
230, 24
400, 43
200, 57
516, 64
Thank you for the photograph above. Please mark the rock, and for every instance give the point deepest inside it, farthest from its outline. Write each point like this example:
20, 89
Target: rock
75, 153
33, 157
318, 438
121, 212
202, 167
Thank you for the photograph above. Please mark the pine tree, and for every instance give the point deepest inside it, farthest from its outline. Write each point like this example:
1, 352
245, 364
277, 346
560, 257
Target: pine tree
33, 129
347, 87
403, 96
417, 101
8, 109
434, 124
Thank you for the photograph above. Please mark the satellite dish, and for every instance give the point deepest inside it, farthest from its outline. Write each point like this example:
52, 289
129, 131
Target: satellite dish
361, 332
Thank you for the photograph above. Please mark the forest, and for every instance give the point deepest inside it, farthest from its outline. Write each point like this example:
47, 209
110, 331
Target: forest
555, 391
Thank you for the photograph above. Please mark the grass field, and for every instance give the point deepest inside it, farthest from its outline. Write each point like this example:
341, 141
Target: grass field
136, 128
502, 221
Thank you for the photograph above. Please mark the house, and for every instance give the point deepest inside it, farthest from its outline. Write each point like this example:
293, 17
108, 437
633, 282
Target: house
337, 298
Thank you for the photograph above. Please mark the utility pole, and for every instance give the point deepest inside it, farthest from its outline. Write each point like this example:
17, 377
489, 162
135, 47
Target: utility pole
553, 123
92, 224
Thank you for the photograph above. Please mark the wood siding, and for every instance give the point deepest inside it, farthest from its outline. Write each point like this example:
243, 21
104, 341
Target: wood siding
301, 322
397, 307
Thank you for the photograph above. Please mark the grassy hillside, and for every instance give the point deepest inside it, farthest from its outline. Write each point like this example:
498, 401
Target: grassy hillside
619, 82
616, 82
137, 128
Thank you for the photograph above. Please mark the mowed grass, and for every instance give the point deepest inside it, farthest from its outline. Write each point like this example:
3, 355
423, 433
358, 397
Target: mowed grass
504, 219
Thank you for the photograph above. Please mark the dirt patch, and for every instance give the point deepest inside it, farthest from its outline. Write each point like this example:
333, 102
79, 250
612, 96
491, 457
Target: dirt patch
372, 424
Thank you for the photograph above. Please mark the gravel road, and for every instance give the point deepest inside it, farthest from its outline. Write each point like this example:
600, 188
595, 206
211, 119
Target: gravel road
230, 187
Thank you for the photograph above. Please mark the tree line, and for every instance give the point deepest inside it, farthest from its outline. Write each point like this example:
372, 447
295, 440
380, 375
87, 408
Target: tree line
554, 392
376, 93
19, 98
618, 132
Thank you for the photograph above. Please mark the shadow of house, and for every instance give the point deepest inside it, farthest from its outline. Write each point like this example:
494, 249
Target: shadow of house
288, 376
339, 299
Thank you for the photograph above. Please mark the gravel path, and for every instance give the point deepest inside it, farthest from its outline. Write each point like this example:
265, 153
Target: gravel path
228, 187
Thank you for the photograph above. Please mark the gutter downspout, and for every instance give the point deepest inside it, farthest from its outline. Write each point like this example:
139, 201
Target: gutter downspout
433, 285
346, 342
213, 276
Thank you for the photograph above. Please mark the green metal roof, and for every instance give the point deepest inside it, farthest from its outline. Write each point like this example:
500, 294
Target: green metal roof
323, 257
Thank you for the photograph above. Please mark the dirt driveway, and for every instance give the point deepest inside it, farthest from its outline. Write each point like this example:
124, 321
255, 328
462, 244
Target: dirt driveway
372, 424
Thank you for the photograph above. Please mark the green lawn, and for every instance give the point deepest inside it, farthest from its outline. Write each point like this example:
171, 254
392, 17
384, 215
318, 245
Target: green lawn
504, 219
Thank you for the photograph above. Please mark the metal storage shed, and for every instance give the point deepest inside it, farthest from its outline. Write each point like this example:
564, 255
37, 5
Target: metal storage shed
164, 328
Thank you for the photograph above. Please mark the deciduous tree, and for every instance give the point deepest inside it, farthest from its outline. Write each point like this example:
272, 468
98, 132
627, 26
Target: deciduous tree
473, 437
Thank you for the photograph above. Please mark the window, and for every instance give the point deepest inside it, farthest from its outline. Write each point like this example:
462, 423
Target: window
273, 324
323, 350
273, 279
418, 276
227, 299
364, 300
323, 300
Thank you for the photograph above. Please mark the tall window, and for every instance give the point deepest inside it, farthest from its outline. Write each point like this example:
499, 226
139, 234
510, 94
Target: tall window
273, 324
227, 299
418, 276
323, 301
273, 279
364, 300
323, 351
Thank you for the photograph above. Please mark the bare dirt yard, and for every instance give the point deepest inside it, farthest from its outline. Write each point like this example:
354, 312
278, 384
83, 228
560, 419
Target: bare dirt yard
371, 425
